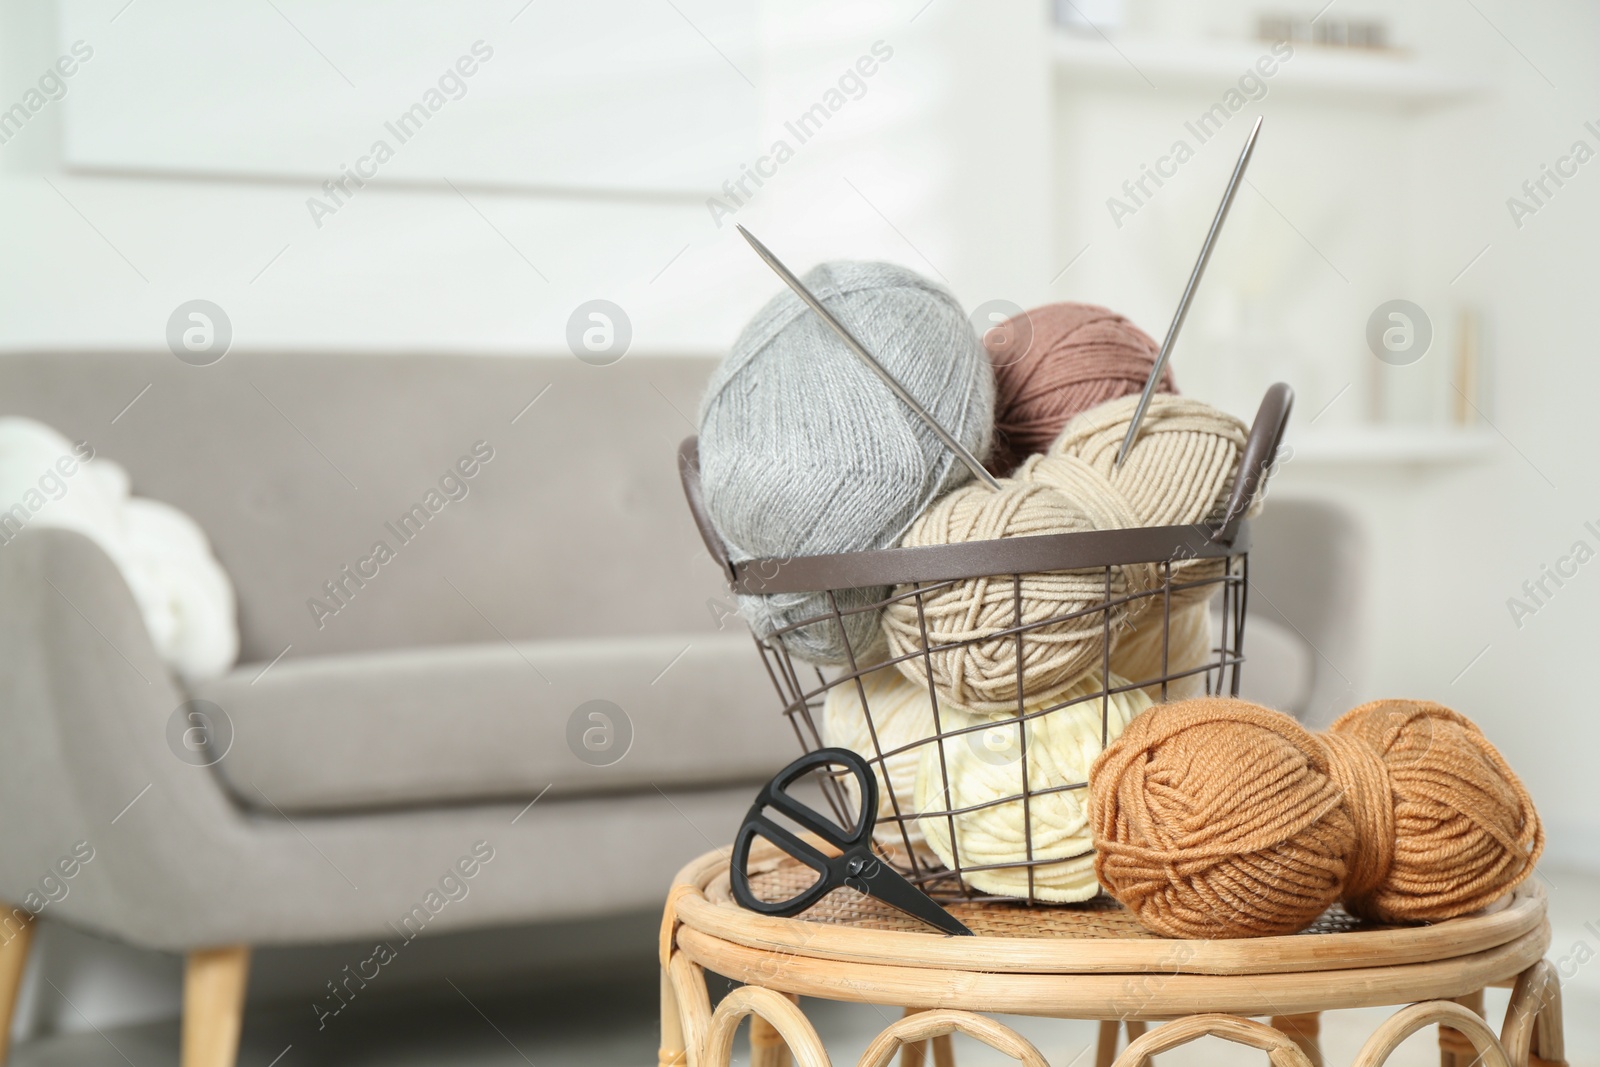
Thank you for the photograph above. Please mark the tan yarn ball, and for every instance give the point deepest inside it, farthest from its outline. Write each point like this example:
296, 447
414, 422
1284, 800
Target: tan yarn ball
1218, 818
970, 665
1447, 826
982, 770
901, 715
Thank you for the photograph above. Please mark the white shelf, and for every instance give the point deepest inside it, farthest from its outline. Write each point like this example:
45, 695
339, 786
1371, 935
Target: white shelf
1212, 66
1393, 445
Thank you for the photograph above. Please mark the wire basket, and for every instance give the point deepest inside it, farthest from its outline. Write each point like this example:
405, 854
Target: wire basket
915, 574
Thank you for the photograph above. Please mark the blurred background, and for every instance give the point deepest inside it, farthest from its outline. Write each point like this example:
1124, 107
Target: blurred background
204, 151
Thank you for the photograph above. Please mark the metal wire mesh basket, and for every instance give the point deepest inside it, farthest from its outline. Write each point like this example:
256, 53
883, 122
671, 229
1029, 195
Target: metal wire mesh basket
916, 574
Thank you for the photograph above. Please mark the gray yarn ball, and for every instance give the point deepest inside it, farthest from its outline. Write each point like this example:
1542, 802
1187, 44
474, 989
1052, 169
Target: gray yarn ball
804, 451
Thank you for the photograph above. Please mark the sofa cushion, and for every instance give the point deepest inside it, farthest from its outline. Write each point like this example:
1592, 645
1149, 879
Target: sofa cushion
536, 497
481, 722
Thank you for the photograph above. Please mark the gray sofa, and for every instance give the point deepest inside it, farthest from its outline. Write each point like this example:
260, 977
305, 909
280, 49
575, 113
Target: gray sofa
389, 739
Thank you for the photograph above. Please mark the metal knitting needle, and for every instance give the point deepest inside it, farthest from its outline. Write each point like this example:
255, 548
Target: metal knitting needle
1188, 293
861, 350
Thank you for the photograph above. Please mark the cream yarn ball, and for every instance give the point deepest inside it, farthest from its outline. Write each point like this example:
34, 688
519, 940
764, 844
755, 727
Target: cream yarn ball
971, 666
902, 715
1137, 653
985, 767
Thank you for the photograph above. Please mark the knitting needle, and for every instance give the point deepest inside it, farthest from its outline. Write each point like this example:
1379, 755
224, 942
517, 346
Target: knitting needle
1188, 293
861, 350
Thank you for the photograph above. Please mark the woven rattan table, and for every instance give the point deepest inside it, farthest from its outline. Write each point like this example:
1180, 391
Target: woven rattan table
1088, 961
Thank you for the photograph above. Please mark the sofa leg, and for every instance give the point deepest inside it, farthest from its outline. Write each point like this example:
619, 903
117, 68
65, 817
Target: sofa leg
213, 1005
16, 935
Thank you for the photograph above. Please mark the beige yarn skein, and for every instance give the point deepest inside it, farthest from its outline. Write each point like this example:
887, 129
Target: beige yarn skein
985, 766
902, 715
1181, 467
1136, 654
1180, 471
1100, 500
972, 667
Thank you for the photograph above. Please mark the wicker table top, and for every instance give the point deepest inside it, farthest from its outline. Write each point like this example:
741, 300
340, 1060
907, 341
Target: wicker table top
1087, 939
1102, 917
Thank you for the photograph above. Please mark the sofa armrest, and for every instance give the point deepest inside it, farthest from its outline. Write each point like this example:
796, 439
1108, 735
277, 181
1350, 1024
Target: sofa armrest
85, 701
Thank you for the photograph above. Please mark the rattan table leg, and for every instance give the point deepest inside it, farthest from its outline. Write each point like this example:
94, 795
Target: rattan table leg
1136, 1029
1532, 1032
1304, 1030
16, 935
673, 1052
1106, 1048
798, 1037
1110, 1030
691, 998
913, 1053
1454, 1048
1485, 1046
937, 1024
1281, 1052
767, 1046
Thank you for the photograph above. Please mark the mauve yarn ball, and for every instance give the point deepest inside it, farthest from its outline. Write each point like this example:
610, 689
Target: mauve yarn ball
1056, 361
805, 451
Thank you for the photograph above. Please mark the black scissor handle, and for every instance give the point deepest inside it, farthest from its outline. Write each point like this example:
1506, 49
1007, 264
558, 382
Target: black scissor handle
775, 796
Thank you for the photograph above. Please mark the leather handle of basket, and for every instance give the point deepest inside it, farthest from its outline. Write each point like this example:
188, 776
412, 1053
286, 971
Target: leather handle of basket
689, 473
1260, 448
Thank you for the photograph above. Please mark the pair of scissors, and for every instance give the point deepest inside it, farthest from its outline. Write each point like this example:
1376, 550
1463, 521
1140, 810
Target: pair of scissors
856, 866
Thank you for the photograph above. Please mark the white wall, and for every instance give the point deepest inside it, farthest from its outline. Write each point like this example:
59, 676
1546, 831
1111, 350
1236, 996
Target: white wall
943, 142
1477, 537
1398, 201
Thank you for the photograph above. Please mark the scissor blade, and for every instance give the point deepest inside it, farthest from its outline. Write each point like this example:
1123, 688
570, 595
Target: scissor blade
885, 884
1188, 293
961, 451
